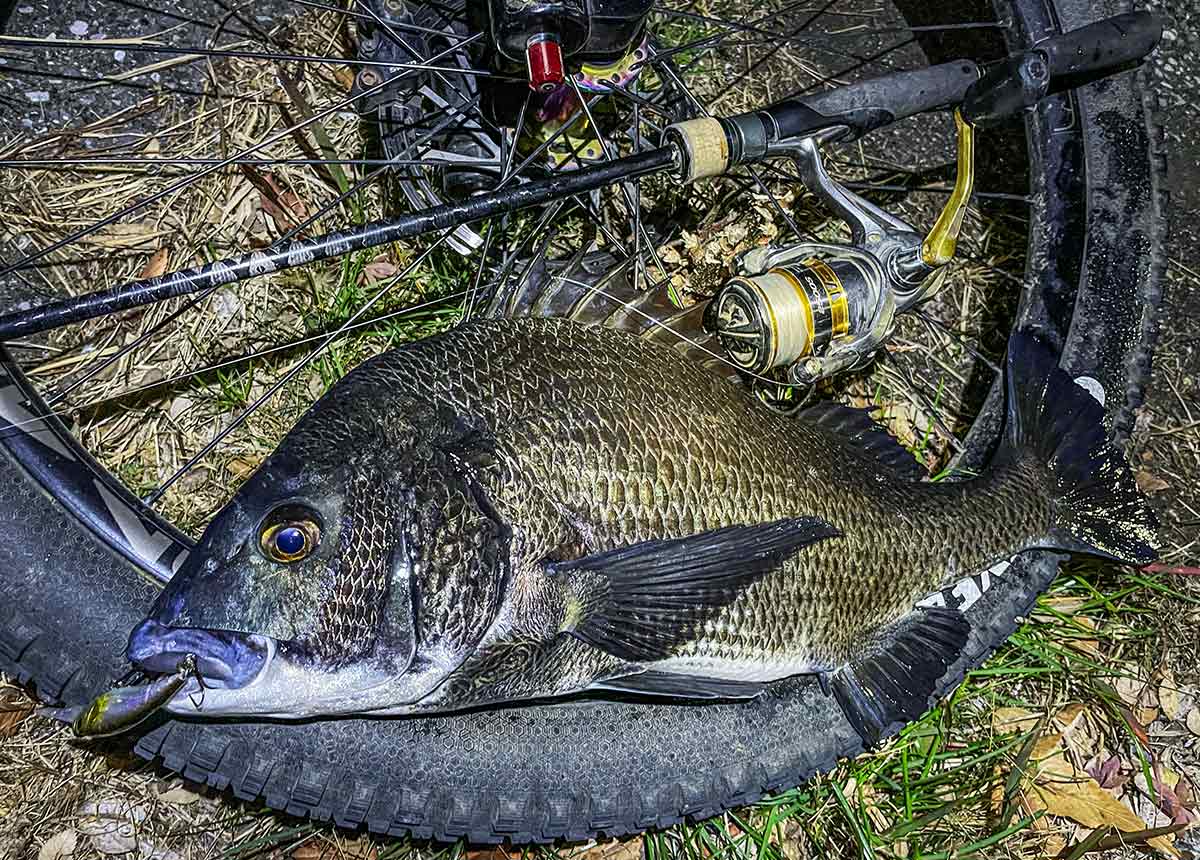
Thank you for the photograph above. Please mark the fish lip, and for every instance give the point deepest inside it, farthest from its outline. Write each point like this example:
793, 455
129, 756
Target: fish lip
225, 659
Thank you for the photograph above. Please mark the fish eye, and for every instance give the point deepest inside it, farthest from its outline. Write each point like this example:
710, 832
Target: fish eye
289, 535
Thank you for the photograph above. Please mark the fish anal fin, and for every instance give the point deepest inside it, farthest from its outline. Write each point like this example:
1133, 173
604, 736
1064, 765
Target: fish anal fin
894, 680
639, 602
677, 686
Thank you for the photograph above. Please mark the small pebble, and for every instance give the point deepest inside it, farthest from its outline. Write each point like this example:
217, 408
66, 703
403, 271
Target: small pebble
119, 56
79, 28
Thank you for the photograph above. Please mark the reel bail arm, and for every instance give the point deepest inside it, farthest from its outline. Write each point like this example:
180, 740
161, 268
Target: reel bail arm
818, 309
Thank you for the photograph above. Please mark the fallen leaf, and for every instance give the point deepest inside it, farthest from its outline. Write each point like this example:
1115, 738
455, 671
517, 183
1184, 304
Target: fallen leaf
11, 716
1052, 835
1066, 791
1185, 792
793, 840
135, 235
314, 849
1130, 689
345, 77
239, 467
112, 825
377, 270
285, 208
1065, 605
1193, 721
1107, 772
630, 849
669, 256
60, 846
179, 796
1149, 483
495, 852
1168, 694
1082, 729
1085, 644
1006, 720
156, 265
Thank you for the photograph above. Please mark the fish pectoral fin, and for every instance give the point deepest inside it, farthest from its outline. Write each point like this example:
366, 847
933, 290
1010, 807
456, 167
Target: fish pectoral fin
869, 436
893, 682
639, 602
680, 686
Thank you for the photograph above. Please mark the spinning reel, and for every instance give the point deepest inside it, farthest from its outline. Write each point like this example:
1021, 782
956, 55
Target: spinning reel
812, 310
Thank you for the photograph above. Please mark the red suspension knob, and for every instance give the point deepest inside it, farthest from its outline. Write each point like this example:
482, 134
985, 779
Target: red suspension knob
544, 57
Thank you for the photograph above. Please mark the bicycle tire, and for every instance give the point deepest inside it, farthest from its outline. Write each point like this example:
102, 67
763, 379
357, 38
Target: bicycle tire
599, 767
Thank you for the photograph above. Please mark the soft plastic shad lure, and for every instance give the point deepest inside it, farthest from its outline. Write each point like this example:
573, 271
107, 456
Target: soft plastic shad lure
122, 708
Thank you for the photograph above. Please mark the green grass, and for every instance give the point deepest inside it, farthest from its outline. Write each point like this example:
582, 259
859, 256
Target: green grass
926, 793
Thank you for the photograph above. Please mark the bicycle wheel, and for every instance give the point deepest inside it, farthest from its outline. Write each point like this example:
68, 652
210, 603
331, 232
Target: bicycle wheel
1091, 261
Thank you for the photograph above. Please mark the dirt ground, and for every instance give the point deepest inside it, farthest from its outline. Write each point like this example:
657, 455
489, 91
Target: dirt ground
60, 801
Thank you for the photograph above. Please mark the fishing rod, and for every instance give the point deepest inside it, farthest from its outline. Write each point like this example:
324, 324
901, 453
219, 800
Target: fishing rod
692, 149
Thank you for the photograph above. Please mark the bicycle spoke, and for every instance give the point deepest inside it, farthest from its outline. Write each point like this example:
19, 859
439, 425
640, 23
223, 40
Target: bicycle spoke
395, 25
441, 147
125, 84
158, 195
199, 53
297, 230
241, 419
398, 39
175, 16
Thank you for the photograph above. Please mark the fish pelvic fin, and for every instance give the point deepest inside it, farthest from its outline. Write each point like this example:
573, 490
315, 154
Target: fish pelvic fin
679, 686
1056, 425
894, 682
640, 602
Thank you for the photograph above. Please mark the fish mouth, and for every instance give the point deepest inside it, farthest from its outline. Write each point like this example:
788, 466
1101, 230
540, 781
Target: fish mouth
225, 659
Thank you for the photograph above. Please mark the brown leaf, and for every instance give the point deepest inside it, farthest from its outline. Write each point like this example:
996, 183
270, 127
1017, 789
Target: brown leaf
282, 205
1007, 720
378, 270
1129, 689
11, 718
345, 76
1066, 791
494, 852
1185, 792
156, 265
1168, 694
1149, 483
179, 796
314, 849
15, 706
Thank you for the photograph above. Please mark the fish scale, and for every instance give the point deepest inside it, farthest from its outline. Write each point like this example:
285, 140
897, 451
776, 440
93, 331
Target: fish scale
527, 508
808, 613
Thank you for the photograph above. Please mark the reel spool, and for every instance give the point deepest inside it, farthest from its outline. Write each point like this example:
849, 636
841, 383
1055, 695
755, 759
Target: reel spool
791, 311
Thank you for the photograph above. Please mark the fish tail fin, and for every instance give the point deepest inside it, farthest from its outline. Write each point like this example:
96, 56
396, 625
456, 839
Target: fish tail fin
1056, 426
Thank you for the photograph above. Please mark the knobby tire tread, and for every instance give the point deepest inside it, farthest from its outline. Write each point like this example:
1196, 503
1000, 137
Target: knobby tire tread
46, 657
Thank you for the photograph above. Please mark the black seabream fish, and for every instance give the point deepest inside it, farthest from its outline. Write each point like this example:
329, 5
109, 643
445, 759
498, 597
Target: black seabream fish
529, 508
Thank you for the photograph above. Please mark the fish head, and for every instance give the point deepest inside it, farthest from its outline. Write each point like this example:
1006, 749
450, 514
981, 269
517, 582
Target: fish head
344, 578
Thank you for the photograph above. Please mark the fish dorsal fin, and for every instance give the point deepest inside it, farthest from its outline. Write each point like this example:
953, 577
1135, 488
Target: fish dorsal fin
866, 434
641, 601
892, 682
595, 288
